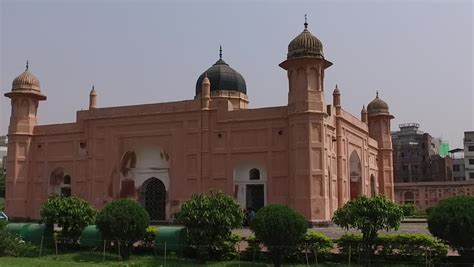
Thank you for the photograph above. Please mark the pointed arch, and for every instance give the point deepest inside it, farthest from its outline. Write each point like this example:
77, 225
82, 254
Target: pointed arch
355, 174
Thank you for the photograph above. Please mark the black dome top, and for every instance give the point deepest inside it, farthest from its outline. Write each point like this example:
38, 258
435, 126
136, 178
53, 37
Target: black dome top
222, 77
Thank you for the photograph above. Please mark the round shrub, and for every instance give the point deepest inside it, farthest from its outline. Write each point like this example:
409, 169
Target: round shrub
72, 214
210, 219
280, 229
123, 221
408, 209
452, 220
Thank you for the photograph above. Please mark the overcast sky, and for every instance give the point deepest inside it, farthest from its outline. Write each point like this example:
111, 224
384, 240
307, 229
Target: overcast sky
417, 54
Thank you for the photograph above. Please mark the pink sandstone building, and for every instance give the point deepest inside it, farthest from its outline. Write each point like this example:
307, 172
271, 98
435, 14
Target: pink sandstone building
311, 155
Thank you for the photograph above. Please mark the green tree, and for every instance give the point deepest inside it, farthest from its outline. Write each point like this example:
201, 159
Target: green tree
280, 229
452, 220
123, 221
209, 219
369, 215
72, 214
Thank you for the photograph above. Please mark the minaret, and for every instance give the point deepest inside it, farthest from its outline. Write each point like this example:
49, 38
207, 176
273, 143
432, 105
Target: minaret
363, 115
341, 177
379, 128
25, 96
92, 99
305, 66
205, 93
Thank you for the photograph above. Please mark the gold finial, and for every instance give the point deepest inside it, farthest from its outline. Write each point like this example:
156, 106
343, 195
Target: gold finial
306, 21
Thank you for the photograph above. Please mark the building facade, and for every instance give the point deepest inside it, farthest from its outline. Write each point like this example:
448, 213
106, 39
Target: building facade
311, 155
416, 156
469, 154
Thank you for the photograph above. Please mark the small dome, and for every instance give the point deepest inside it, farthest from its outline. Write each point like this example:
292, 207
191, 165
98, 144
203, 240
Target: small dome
26, 81
222, 77
305, 45
378, 107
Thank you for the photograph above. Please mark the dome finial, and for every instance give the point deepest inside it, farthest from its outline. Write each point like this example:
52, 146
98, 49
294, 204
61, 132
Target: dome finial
306, 21
27, 65
220, 51
377, 94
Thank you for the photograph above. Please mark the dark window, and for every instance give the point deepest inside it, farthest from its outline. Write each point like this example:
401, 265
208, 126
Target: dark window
66, 191
456, 168
67, 179
470, 148
423, 145
424, 158
471, 161
254, 174
405, 167
403, 155
471, 175
415, 167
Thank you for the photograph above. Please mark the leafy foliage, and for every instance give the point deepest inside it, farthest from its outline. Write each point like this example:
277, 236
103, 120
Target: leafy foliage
280, 229
12, 245
148, 241
209, 219
72, 214
369, 215
397, 247
316, 243
253, 252
123, 221
453, 221
408, 209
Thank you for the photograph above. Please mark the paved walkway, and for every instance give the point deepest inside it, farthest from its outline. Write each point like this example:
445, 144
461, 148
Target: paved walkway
413, 227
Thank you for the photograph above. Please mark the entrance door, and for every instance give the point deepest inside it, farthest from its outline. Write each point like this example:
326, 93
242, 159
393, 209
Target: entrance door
154, 199
255, 196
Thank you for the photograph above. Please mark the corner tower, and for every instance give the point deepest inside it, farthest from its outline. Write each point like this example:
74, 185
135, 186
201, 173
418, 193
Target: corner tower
379, 128
305, 66
25, 96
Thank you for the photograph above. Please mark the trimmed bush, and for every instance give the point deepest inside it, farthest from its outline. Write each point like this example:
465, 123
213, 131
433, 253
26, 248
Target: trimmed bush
124, 222
316, 244
396, 247
209, 219
280, 229
452, 220
72, 214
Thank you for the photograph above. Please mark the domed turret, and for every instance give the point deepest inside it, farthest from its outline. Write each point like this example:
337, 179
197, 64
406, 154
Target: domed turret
305, 45
222, 78
377, 107
26, 83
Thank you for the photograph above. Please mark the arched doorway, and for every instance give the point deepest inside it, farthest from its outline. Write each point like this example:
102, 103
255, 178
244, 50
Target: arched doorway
60, 182
355, 171
153, 199
250, 185
409, 198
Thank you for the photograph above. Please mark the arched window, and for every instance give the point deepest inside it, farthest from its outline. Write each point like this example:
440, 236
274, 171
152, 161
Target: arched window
355, 174
129, 161
254, 174
373, 187
60, 182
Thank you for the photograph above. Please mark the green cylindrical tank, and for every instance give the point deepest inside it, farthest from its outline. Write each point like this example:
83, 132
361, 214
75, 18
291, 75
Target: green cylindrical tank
91, 237
17, 228
173, 237
35, 232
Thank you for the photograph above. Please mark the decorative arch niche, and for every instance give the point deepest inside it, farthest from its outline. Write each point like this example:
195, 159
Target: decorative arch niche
250, 181
355, 175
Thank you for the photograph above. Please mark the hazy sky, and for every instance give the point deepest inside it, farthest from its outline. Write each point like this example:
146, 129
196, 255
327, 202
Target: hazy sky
418, 54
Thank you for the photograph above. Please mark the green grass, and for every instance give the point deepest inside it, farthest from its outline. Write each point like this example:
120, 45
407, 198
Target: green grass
2, 203
80, 259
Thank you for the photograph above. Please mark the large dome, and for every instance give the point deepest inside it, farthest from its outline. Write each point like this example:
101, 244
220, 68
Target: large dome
305, 45
377, 107
222, 77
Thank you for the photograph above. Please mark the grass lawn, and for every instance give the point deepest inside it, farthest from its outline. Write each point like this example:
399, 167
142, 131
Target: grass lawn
80, 259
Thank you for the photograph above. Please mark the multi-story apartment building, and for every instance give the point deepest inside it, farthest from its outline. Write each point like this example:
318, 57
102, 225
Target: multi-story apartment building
469, 154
